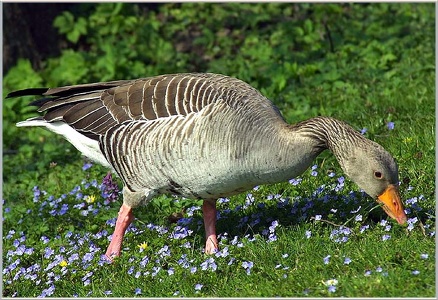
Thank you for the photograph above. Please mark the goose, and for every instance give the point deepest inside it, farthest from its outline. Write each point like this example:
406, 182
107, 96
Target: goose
202, 136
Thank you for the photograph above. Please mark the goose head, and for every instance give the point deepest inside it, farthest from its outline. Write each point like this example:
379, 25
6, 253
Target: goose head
375, 171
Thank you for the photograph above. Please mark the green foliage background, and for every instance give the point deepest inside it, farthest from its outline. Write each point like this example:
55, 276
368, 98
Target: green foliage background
367, 64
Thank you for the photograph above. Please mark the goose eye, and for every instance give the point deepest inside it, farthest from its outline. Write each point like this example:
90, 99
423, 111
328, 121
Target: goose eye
378, 175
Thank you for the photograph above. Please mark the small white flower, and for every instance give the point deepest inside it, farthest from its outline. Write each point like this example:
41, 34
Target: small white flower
331, 282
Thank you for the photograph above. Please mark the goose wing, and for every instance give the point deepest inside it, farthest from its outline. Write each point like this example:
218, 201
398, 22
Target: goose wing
93, 109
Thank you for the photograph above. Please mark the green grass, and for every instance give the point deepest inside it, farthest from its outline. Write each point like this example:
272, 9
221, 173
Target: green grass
355, 83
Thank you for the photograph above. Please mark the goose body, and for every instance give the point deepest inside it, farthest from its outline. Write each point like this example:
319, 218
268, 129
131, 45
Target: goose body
202, 136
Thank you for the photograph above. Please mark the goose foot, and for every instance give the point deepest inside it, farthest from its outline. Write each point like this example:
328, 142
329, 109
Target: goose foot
124, 218
209, 212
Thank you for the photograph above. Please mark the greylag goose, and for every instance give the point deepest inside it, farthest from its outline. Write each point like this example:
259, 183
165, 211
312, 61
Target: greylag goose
202, 136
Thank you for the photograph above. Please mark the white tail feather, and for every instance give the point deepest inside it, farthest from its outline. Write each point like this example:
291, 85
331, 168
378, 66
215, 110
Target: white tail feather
88, 147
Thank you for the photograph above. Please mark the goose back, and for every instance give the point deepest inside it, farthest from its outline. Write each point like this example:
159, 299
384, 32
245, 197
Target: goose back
196, 135
93, 109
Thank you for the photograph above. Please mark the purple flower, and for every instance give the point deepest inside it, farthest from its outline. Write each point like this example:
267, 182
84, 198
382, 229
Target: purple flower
318, 217
137, 291
107, 292
363, 130
347, 261
390, 125
415, 272
367, 273
110, 190
198, 287
358, 218
326, 259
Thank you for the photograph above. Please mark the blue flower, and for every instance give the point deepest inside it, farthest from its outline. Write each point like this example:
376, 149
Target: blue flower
308, 234
86, 166
363, 130
48, 252
247, 265
390, 125
331, 288
48, 292
198, 287
347, 261
415, 272
87, 257
137, 291
363, 228
326, 259
424, 256
386, 237
295, 181
209, 263
222, 253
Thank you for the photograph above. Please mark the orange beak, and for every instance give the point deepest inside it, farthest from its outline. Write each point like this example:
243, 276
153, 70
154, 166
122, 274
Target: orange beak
392, 204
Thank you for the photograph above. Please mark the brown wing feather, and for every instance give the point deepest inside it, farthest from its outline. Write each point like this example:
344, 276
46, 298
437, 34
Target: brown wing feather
94, 108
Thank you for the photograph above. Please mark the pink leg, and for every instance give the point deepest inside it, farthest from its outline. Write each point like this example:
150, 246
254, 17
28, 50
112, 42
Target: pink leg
209, 212
124, 218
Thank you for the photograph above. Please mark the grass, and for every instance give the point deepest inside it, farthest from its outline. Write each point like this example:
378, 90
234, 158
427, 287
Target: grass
315, 236
295, 244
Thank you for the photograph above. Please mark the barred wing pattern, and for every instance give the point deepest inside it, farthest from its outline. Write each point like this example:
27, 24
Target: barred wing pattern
92, 109
144, 128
